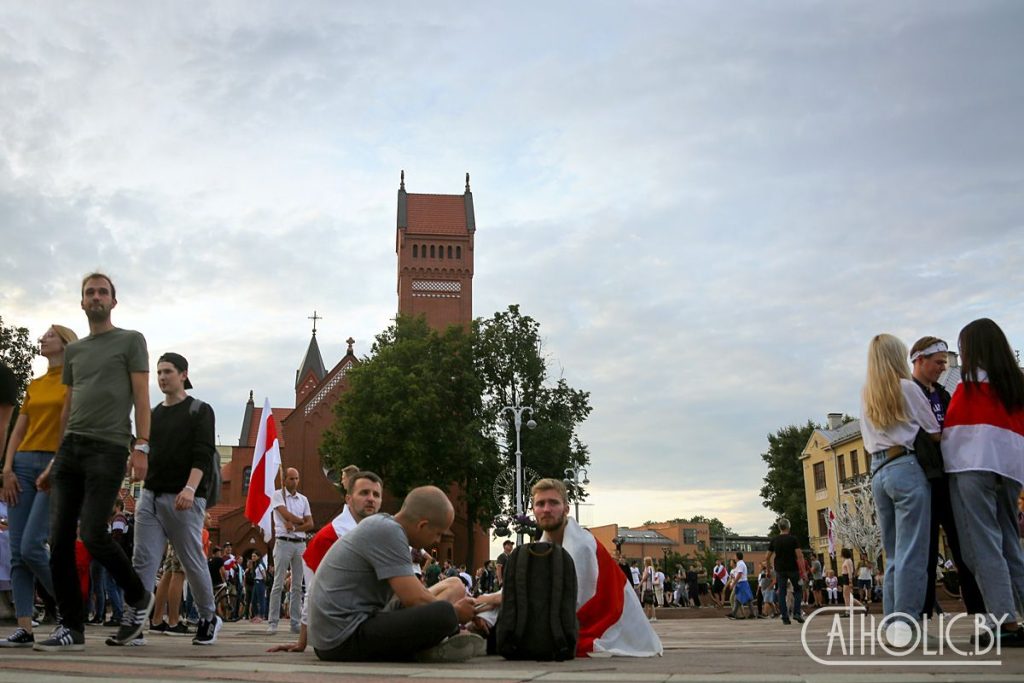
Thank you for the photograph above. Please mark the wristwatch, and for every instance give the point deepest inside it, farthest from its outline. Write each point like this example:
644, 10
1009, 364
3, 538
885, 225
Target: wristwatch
142, 447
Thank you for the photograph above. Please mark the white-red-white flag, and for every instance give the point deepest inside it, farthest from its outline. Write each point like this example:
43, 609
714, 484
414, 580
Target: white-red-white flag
831, 533
266, 460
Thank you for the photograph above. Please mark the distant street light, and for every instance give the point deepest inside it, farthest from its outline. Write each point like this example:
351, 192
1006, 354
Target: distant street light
517, 414
572, 477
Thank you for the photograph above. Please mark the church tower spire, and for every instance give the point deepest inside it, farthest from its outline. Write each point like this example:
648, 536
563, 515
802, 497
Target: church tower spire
312, 370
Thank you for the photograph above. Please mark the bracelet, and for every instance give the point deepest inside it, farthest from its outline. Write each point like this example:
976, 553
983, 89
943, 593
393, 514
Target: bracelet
190, 488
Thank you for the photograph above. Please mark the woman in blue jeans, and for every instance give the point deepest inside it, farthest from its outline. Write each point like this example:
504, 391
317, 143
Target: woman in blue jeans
894, 409
983, 452
33, 442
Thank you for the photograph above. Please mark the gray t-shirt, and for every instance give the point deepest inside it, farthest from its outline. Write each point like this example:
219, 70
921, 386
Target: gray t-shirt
352, 581
816, 570
98, 369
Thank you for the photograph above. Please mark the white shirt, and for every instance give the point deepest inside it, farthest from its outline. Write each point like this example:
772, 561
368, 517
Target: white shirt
740, 572
636, 575
659, 579
919, 413
295, 503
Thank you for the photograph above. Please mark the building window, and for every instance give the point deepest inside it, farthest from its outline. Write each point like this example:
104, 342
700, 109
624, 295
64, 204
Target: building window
819, 476
431, 251
449, 251
690, 536
841, 462
246, 475
855, 463
823, 522
415, 251
458, 252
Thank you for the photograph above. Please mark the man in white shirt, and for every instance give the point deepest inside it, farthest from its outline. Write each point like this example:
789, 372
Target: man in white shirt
292, 519
659, 588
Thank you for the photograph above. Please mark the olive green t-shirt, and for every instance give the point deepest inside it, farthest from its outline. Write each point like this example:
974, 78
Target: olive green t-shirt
98, 371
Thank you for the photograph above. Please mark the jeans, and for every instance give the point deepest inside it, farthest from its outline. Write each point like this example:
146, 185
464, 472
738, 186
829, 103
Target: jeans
793, 578
29, 523
903, 503
86, 479
156, 522
942, 514
396, 636
287, 554
257, 599
105, 588
985, 507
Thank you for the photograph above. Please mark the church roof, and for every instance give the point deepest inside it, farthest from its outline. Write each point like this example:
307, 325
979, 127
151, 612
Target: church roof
441, 214
311, 362
254, 428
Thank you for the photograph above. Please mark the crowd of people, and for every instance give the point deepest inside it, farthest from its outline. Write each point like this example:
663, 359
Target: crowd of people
362, 588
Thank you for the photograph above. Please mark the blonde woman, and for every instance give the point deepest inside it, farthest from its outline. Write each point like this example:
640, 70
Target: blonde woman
34, 440
894, 409
647, 589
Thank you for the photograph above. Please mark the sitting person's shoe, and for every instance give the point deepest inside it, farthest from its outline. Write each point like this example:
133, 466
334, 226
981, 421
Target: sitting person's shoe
179, 629
62, 639
133, 621
206, 632
20, 638
458, 648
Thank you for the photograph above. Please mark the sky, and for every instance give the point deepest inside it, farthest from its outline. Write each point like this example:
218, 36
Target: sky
709, 209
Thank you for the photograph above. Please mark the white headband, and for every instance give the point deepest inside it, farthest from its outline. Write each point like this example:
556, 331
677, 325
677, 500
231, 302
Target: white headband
937, 347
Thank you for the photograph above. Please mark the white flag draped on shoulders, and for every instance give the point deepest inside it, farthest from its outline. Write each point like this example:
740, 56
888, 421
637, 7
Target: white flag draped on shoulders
266, 461
612, 622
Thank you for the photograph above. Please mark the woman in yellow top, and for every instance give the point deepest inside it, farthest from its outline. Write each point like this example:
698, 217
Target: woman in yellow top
34, 440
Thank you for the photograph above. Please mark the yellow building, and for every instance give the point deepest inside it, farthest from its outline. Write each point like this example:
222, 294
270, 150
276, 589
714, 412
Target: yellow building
835, 464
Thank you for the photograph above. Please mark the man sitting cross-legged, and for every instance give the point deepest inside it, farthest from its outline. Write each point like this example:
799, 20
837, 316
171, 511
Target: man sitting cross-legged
366, 603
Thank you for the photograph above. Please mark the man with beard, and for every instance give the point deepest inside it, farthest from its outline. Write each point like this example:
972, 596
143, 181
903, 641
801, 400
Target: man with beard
610, 617
108, 375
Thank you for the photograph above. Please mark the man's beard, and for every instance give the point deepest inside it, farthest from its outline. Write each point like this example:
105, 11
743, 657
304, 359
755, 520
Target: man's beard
98, 314
553, 525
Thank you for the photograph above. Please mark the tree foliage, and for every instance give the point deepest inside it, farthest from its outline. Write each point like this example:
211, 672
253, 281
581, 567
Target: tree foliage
17, 352
783, 490
426, 408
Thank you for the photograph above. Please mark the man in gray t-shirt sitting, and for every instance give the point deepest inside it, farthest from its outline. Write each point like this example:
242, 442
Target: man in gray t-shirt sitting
366, 603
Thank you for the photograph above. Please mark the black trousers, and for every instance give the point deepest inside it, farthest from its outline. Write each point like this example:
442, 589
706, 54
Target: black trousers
86, 480
942, 514
396, 636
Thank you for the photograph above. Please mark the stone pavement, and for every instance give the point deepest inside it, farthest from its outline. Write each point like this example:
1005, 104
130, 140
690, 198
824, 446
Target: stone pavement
704, 649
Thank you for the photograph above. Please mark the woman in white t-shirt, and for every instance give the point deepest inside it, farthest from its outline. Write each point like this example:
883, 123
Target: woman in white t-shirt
894, 409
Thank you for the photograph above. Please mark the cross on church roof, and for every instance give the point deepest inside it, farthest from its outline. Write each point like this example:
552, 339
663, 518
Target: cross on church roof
314, 318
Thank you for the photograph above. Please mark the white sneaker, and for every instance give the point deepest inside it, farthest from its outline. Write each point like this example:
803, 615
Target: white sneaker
271, 629
458, 648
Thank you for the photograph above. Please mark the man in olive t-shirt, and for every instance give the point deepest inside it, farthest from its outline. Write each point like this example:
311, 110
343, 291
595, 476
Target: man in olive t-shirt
107, 374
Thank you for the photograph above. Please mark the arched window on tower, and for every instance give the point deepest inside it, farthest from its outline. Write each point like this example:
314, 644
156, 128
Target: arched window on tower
246, 476
458, 252
449, 251
431, 251
440, 251
415, 251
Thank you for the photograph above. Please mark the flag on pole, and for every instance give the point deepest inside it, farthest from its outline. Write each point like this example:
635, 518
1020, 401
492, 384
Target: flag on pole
266, 459
831, 533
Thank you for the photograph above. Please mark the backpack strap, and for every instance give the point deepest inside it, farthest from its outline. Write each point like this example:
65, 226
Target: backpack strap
555, 606
521, 592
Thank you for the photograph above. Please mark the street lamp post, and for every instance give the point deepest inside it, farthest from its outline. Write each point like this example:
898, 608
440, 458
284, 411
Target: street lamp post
517, 415
572, 476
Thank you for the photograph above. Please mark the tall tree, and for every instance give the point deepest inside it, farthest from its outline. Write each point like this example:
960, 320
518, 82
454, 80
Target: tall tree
16, 352
513, 370
412, 414
783, 490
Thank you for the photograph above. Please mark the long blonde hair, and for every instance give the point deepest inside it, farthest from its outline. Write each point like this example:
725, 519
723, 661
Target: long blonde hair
887, 365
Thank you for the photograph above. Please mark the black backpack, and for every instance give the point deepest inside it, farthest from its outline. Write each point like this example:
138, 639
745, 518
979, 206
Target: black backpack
213, 483
538, 605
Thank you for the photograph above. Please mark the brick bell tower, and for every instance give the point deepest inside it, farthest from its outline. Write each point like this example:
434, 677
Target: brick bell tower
434, 243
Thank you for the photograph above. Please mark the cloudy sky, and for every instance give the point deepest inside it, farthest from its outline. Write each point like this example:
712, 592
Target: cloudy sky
709, 210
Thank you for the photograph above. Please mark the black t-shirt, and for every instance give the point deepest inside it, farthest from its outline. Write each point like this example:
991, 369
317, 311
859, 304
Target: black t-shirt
691, 578
8, 386
785, 547
180, 440
215, 564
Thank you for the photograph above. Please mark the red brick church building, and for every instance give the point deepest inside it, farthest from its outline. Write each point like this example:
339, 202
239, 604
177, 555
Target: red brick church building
434, 242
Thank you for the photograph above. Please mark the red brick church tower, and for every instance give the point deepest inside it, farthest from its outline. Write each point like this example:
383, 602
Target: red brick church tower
434, 242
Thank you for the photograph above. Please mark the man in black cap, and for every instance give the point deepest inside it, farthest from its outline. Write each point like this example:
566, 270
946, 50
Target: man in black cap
172, 506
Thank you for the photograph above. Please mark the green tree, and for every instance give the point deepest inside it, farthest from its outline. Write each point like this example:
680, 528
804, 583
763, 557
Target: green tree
716, 527
16, 352
783, 490
413, 415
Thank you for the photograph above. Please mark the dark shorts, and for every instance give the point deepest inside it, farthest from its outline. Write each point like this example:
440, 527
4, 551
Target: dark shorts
717, 587
864, 584
819, 584
844, 581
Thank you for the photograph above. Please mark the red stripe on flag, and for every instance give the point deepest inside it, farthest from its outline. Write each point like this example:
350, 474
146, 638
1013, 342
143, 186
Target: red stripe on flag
604, 609
976, 403
319, 545
258, 501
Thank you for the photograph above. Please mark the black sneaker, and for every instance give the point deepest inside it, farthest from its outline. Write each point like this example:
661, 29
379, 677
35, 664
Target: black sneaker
112, 623
133, 621
20, 638
798, 619
178, 629
206, 632
62, 639
785, 620
158, 628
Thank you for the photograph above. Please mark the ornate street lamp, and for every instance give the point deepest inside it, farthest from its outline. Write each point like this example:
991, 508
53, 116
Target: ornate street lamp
572, 478
517, 414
